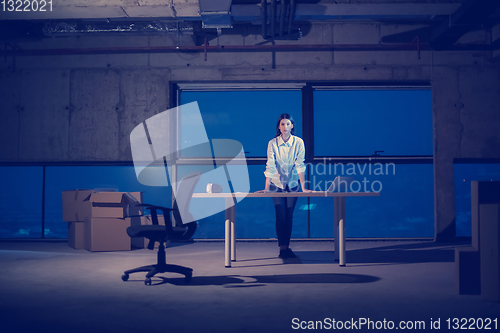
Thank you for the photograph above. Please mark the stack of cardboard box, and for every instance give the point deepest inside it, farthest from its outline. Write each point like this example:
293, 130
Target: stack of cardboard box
98, 221
74, 210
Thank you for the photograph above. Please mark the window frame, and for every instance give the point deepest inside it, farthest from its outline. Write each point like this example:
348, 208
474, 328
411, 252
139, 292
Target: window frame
307, 90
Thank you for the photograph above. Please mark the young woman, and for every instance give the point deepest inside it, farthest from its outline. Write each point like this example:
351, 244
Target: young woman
284, 169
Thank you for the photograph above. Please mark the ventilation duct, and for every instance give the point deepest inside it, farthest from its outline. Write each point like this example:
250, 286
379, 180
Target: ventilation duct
216, 14
75, 28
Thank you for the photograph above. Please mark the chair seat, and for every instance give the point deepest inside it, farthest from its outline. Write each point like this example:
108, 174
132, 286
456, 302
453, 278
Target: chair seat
148, 231
156, 232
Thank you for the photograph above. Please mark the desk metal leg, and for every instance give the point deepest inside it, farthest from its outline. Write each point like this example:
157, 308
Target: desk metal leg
336, 220
341, 209
228, 241
339, 229
342, 242
233, 233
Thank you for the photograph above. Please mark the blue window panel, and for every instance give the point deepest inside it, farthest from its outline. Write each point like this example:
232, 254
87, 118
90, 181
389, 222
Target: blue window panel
119, 178
405, 207
357, 123
463, 175
21, 202
249, 117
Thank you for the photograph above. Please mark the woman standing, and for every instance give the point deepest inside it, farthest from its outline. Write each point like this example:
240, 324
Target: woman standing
284, 169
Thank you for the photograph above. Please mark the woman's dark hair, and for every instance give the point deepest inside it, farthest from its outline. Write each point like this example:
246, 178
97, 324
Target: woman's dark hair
280, 118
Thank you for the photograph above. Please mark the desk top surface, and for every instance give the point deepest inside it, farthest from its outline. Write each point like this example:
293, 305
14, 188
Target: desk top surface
287, 194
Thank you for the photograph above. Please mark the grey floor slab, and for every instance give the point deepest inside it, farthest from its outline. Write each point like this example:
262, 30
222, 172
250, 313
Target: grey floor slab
50, 287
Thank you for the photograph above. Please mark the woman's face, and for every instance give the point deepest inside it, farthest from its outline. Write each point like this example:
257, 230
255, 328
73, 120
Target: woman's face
286, 127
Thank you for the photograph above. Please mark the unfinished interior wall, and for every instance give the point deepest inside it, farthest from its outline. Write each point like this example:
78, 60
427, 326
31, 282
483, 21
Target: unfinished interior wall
466, 108
82, 107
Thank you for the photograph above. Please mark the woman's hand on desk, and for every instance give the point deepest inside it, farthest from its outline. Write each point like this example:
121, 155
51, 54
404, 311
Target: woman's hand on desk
262, 191
305, 190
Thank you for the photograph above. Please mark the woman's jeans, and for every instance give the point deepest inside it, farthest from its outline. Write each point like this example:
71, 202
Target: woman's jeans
284, 214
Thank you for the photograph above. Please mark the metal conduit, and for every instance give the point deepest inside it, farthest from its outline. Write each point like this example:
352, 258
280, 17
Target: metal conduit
215, 48
291, 17
263, 4
16, 51
287, 13
273, 18
282, 17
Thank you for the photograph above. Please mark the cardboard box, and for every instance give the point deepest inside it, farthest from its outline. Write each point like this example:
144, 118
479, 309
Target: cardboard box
134, 198
110, 234
113, 204
74, 205
76, 235
80, 206
137, 242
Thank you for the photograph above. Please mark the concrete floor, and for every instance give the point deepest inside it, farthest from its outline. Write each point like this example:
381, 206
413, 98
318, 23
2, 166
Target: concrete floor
49, 287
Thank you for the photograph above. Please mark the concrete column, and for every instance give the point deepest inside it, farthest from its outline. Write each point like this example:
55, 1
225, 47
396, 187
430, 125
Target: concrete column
446, 122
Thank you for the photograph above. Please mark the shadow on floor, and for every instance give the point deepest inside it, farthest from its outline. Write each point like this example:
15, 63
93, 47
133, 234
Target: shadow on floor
377, 255
237, 281
394, 254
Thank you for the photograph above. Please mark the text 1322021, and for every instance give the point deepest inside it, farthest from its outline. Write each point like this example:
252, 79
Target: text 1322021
26, 5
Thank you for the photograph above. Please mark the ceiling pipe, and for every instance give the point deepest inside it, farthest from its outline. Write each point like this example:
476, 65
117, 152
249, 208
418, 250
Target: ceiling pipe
216, 48
273, 18
282, 17
238, 48
263, 8
56, 29
291, 17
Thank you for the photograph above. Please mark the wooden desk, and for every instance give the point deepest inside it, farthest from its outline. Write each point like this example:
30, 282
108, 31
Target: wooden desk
338, 216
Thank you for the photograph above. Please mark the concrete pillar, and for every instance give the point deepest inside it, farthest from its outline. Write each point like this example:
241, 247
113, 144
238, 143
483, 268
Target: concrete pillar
446, 122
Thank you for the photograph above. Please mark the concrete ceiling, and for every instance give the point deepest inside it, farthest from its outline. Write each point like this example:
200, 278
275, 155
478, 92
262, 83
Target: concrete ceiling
445, 21
240, 11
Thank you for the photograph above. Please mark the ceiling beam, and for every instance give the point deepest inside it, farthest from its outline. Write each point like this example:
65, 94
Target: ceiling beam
189, 10
472, 15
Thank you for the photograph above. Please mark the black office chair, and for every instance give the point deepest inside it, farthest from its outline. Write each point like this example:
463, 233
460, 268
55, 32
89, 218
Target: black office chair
160, 233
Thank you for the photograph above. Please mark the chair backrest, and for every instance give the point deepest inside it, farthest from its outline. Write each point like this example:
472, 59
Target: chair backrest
183, 197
